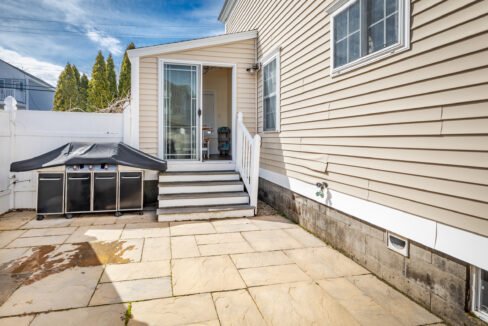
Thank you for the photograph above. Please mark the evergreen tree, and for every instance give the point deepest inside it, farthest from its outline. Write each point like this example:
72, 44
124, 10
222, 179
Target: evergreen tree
111, 78
97, 87
67, 93
124, 77
83, 91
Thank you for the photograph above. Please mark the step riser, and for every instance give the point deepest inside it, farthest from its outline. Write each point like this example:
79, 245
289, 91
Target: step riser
205, 215
166, 190
196, 178
203, 201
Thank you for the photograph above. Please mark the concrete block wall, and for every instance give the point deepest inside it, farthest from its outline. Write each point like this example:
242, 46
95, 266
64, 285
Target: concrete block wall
436, 281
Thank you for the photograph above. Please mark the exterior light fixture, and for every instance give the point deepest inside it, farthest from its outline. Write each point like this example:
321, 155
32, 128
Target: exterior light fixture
254, 68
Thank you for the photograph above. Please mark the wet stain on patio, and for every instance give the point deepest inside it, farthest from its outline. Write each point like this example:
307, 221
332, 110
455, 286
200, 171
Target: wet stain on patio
48, 260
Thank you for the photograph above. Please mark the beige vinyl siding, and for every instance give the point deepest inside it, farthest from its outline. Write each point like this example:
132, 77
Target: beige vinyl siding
242, 54
409, 131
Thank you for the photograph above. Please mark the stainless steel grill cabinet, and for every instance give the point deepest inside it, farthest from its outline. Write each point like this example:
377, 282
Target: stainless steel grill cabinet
91, 179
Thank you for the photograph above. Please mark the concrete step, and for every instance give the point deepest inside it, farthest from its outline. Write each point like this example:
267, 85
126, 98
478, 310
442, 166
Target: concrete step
200, 187
199, 176
204, 212
203, 199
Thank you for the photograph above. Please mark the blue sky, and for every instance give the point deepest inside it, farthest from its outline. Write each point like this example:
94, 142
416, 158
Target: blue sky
40, 36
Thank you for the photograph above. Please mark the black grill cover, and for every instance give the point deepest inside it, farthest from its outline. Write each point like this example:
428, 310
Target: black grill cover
89, 153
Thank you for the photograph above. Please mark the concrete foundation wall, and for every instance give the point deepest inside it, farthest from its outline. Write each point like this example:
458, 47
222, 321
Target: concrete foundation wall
437, 281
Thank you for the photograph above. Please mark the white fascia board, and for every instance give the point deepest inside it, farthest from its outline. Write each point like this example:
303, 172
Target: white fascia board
464, 245
461, 244
192, 44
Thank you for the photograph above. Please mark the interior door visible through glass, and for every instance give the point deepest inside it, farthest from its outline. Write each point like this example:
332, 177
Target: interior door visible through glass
181, 132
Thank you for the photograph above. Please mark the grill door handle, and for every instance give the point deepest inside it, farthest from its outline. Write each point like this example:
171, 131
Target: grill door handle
85, 178
104, 178
138, 177
49, 179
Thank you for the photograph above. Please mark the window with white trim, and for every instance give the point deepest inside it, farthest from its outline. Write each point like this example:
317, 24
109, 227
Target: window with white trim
271, 93
480, 300
366, 29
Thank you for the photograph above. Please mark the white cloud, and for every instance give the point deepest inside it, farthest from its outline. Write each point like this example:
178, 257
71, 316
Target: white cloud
46, 71
75, 14
107, 42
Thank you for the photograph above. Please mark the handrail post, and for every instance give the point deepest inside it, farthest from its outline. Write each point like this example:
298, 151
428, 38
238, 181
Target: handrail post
239, 142
255, 172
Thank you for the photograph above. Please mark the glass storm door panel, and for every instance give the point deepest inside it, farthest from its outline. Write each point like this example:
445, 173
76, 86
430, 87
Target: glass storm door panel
181, 133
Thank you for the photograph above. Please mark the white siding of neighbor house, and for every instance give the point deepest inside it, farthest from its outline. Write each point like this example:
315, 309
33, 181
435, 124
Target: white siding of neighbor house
409, 131
241, 53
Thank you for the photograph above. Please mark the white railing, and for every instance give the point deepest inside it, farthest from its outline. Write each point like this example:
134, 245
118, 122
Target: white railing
247, 159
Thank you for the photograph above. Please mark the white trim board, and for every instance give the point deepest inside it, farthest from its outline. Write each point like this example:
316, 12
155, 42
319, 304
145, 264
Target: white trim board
192, 44
464, 245
134, 105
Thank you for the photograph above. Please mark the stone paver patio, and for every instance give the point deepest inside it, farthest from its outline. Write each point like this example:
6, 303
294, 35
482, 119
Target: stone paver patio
247, 271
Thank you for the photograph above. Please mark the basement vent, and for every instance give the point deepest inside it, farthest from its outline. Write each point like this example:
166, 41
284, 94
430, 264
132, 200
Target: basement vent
398, 244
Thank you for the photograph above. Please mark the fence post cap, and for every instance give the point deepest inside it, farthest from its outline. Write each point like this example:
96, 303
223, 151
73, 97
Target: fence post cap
10, 104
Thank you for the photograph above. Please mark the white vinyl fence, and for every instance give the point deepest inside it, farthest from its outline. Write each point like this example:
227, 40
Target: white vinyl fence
31, 133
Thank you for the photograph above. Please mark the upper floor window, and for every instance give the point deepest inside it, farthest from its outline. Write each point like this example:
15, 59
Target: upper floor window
271, 93
363, 30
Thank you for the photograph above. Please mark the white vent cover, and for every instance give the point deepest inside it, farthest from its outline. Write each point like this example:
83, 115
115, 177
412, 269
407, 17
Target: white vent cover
398, 244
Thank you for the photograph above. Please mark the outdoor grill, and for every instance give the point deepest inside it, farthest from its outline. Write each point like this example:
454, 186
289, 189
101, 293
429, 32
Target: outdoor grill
90, 178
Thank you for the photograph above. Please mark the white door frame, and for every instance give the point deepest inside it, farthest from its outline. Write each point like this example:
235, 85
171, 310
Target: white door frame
201, 163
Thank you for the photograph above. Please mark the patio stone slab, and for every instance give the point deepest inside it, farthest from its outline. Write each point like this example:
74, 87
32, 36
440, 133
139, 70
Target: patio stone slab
101, 252
303, 303
15, 220
324, 262
271, 240
260, 259
134, 271
225, 248
272, 222
305, 238
38, 241
218, 238
88, 220
234, 225
96, 233
191, 228
130, 218
104, 315
194, 309
183, 247
7, 237
204, 274
237, 308
393, 301
53, 291
16, 321
156, 249
145, 230
49, 231
48, 222
134, 290
361, 306
273, 275
8, 255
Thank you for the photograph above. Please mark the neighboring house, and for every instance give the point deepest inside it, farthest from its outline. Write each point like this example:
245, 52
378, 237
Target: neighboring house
373, 118
31, 93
